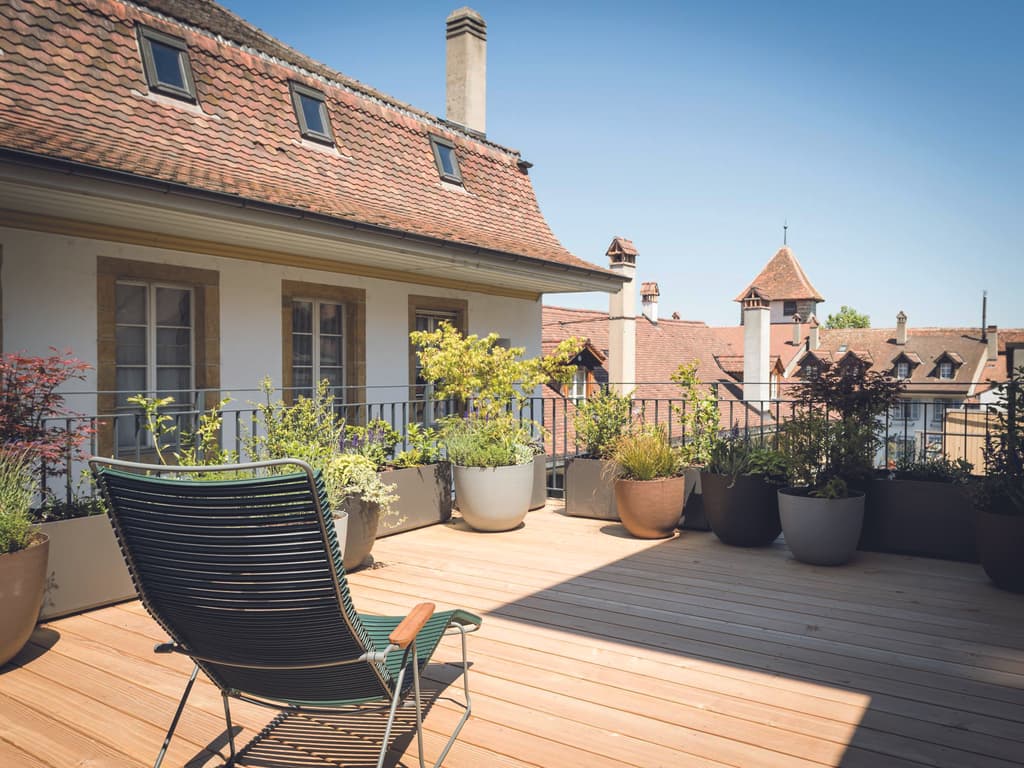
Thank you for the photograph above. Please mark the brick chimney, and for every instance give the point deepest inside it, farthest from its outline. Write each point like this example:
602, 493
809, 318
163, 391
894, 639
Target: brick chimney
813, 342
622, 318
992, 336
649, 294
756, 349
467, 69
901, 328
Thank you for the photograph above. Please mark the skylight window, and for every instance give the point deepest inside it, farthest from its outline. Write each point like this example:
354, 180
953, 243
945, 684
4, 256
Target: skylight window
165, 64
446, 159
311, 112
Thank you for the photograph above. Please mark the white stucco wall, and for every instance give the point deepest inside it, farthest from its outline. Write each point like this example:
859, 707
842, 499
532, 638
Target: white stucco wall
49, 299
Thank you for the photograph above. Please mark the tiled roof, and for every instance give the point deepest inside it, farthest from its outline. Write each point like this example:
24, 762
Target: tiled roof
783, 279
74, 91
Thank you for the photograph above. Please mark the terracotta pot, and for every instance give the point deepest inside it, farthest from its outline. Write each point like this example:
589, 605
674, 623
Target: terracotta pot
1001, 548
22, 583
650, 509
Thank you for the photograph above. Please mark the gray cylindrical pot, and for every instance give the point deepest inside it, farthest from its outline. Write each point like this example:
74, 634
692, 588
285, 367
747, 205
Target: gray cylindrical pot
821, 531
356, 528
493, 498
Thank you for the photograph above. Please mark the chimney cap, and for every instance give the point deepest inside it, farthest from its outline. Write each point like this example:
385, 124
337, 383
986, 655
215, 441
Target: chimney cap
465, 19
813, 321
797, 319
649, 289
622, 251
901, 317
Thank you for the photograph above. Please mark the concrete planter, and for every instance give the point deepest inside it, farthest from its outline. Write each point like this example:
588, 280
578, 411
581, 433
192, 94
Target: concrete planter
494, 498
919, 517
650, 509
356, 528
1000, 545
87, 568
539, 496
744, 513
424, 497
590, 489
22, 581
821, 531
695, 518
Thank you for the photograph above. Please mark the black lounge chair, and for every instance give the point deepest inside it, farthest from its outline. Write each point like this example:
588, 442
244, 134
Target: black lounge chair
245, 576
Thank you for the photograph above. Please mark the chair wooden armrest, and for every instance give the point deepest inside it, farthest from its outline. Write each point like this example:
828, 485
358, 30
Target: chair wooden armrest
411, 625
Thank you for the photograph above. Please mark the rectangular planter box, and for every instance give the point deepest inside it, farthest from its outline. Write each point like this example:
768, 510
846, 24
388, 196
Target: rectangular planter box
424, 497
919, 517
589, 489
86, 568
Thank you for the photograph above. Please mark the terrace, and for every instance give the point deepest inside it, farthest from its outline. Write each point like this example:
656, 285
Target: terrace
597, 649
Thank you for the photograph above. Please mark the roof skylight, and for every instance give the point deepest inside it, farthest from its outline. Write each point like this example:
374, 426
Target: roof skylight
446, 159
311, 112
165, 64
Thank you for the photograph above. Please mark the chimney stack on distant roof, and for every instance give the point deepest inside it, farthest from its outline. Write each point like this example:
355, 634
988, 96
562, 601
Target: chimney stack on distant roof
797, 330
756, 349
622, 318
467, 70
901, 328
649, 294
992, 334
813, 342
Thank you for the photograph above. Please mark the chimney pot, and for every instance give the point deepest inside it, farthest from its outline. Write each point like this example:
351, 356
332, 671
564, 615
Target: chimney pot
813, 340
466, 101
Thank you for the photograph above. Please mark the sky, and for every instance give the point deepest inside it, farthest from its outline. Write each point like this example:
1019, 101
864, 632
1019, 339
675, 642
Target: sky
888, 135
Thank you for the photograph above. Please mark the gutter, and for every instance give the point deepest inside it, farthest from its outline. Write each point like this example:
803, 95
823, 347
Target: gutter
73, 168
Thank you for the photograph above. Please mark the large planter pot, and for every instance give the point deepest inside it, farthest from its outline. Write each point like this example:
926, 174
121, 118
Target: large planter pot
821, 531
744, 513
356, 527
22, 582
590, 489
1001, 548
424, 497
494, 498
650, 509
919, 517
87, 568
695, 518
539, 495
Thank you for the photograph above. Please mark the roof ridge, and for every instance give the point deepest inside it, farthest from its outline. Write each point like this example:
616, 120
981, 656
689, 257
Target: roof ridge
328, 75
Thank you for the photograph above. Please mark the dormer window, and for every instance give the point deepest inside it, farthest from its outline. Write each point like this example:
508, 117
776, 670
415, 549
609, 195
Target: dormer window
446, 159
902, 370
945, 370
311, 112
811, 370
165, 64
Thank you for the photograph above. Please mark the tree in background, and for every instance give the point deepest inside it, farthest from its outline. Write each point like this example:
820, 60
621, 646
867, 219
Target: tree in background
848, 317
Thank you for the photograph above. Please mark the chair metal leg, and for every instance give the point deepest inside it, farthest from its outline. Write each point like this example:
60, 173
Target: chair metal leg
391, 717
469, 702
231, 734
177, 716
419, 704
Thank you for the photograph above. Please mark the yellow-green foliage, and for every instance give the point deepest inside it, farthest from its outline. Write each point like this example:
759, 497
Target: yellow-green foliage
699, 415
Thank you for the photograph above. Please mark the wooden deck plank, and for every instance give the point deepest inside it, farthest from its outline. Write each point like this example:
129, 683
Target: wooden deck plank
597, 650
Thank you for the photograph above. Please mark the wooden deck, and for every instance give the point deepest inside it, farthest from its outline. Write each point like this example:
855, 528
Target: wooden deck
597, 650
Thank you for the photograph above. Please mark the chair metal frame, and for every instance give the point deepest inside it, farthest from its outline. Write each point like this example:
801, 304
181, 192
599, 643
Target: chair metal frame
369, 657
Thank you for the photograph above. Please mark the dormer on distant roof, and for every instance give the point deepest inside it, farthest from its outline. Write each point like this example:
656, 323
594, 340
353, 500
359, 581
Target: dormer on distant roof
783, 282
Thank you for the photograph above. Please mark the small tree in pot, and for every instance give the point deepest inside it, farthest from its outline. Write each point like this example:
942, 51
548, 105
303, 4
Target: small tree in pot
1000, 496
649, 489
492, 383
831, 443
589, 486
701, 424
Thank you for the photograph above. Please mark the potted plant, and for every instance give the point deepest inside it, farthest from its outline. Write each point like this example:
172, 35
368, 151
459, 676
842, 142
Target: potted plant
489, 447
740, 487
313, 430
831, 442
701, 423
589, 484
922, 507
23, 556
649, 486
1000, 493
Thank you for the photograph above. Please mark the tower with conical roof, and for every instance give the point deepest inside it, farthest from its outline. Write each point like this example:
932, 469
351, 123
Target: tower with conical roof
785, 286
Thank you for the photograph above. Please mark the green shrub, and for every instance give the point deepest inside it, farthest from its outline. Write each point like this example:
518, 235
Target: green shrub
646, 455
736, 456
499, 441
424, 447
940, 470
600, 421
699, 416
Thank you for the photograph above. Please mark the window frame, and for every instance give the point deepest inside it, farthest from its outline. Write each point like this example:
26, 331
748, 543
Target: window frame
147, 36
789, 308
903, 365
316, 334
440, 141
298, 91
951, 368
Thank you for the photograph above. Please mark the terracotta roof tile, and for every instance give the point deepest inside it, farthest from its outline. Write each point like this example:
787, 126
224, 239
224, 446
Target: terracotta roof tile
74, 90
783, 279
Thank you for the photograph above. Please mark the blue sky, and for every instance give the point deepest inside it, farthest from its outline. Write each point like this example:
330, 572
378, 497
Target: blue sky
890, 135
